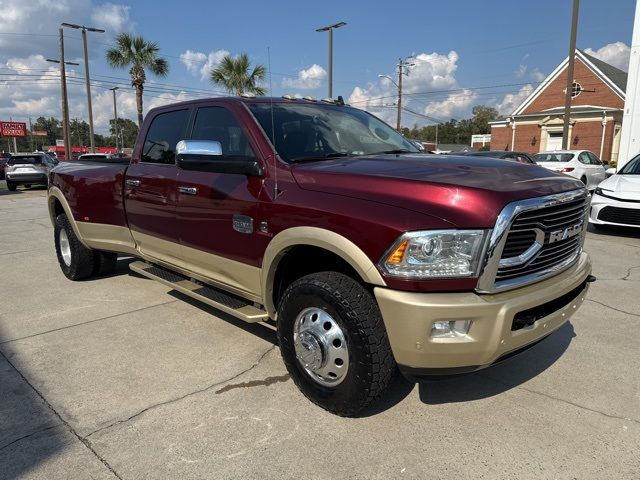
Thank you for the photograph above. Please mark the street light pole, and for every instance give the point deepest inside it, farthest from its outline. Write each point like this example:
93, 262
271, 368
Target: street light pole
330, 28
115, 115
86, 75
66, 137
401, 64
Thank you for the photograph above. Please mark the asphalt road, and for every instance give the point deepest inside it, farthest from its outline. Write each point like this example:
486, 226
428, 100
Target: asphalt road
121, 377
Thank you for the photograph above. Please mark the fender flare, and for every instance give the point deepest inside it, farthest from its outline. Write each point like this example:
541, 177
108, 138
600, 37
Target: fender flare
316, 237
56, 194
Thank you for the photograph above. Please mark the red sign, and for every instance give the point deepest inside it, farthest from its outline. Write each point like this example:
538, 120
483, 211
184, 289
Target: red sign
39, 133
13, 129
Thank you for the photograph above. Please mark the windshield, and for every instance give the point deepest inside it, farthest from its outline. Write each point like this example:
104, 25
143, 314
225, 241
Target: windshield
313, 131
552, 157
631, 168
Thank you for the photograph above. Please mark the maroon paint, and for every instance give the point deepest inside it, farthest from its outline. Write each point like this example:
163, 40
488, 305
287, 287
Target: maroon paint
371, 201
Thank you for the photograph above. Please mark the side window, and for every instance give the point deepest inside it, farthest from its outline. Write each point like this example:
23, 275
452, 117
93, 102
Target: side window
166, 130
594, 159
217, 123
584, 158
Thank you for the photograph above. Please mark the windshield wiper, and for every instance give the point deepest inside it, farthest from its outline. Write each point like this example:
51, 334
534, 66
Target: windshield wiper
314, 158
397, 150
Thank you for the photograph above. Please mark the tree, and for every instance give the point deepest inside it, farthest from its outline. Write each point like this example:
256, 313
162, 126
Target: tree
127, 131
138, 54
52, 126
233, 74
482, 115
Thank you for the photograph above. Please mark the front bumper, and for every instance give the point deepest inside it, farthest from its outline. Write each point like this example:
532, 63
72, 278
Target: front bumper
409, 316
599, 202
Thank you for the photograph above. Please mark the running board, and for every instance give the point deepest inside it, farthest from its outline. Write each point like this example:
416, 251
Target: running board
227, 302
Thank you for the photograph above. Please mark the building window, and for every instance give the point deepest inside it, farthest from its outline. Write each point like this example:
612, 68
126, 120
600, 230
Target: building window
576, 89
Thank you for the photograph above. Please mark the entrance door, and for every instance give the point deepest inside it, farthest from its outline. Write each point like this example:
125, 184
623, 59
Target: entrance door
554, 141
217, 211
151, 191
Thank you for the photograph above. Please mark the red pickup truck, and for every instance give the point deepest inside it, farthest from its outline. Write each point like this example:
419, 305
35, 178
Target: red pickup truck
369, 255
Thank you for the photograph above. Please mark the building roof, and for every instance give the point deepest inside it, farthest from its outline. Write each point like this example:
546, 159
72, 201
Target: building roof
617, 76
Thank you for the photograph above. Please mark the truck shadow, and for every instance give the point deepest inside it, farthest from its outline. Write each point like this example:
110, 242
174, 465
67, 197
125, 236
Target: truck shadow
30, 431
502, 377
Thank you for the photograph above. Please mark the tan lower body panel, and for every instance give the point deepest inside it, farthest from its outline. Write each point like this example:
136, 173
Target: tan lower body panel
408, 318
112, 238
236, 277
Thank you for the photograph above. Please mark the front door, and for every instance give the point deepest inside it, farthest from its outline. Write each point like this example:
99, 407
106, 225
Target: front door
151, 190
554, 141
217, 211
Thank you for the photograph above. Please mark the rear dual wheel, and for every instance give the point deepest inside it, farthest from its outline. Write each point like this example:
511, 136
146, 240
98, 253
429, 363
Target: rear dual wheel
78, 262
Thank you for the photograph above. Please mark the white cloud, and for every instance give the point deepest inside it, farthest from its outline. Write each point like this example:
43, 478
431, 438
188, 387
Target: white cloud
512, 100
431, 71
455, 103
113, 18
307, 79
199, 63
537, 75
520, 71
616, 54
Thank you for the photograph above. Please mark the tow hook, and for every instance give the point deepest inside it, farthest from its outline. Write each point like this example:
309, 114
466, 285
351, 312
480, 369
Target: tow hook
591, 279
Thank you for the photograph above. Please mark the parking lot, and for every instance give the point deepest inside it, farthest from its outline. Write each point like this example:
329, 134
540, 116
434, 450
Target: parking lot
121, 377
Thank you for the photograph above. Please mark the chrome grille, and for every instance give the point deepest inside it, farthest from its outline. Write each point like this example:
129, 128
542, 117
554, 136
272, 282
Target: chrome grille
553, 221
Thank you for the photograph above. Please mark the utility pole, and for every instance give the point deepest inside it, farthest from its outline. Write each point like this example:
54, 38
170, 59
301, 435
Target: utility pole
330, 28
400, 67
569, 92
66, 137
115, 114
86, 75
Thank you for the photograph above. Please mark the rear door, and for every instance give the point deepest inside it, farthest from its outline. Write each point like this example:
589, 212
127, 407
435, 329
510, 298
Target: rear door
217, 211
599, 168
151, 191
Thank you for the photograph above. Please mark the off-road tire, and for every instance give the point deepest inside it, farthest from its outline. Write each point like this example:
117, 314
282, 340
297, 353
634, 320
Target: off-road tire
104, 262
353, 307
82, 258
11, 186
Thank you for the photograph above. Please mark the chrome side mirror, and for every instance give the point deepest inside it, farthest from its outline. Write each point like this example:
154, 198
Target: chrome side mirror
198, 147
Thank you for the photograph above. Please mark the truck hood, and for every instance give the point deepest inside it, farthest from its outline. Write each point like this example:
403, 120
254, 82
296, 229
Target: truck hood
467, 192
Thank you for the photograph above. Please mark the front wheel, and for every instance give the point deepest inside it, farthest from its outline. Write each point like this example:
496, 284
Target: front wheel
76, 260
334, 343
11, 186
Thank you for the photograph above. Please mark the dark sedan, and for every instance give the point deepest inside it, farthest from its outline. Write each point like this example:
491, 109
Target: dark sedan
505, 155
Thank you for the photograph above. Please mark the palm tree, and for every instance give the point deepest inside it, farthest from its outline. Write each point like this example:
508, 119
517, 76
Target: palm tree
233, 74
139, 54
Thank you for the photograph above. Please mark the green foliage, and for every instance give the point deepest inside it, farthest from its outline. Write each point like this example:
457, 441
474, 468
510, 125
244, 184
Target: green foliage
138, 55
127, 131
235, 75
456, 131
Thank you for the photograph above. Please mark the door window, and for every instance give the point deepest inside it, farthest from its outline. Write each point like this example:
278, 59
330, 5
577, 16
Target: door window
166, 130
594, 160
584, 158
218, 124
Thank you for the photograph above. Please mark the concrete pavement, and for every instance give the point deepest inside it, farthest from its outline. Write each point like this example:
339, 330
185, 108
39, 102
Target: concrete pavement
120, 377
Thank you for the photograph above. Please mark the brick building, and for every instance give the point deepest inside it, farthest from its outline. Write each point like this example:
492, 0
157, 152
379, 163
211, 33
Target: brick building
596, 112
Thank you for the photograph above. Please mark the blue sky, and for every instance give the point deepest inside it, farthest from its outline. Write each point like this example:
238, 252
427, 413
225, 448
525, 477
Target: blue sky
459, 45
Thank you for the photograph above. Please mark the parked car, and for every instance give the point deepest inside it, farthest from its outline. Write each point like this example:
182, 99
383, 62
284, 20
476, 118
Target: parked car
580, 164
520, 157
4, 158
28, 169
367, 253
616, 201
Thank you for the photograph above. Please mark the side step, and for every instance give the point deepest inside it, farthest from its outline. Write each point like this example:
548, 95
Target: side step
227, 302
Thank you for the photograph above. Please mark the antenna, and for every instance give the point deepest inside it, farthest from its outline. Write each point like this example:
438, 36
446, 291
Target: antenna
273, 130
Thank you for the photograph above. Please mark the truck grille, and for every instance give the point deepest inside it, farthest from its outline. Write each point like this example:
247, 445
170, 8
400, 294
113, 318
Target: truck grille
558, 229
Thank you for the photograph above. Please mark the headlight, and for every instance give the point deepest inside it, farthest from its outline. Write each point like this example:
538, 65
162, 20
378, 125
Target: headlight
603, 193
435, 254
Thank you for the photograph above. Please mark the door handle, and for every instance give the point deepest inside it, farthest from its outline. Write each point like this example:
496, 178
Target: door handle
188, 190
133, 183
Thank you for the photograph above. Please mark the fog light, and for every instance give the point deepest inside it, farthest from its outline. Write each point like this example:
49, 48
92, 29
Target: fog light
450, 328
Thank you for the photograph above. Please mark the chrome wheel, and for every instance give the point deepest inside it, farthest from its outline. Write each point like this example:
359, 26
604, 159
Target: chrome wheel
321, 347
65, 247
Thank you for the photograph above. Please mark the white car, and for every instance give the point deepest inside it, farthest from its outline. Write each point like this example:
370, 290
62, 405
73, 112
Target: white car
616, 201
580, 164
